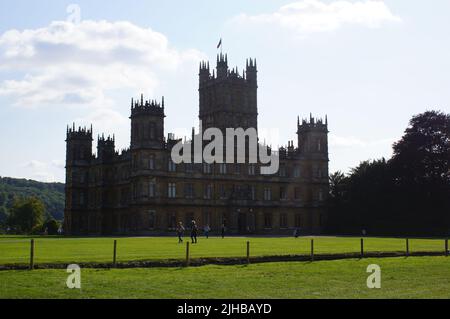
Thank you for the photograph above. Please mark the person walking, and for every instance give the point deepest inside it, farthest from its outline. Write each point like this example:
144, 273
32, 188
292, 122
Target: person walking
180, 232
194, 231
206, 230
223, 229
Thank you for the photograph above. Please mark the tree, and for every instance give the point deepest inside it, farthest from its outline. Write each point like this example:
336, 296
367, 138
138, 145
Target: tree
408, 194
337, 203
3, 214
337, 185
421, 168
423, 153
26, 214
52, 226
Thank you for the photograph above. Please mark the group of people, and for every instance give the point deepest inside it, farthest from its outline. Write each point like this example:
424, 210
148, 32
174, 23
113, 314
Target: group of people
194, 231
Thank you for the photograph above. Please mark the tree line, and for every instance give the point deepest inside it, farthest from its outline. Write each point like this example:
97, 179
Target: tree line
408, 194
28, 206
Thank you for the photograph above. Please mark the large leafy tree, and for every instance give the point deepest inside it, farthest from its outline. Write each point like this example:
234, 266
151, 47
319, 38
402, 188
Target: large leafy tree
423, 153
26, 214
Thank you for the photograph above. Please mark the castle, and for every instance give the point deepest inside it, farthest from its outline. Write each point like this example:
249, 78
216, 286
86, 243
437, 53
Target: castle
141, 191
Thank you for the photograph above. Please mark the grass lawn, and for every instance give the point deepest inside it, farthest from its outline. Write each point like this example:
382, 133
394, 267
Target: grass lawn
16, 250
414, 277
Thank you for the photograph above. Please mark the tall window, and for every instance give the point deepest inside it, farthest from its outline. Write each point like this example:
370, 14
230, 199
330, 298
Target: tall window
151, 219
321, 196
207, 168
267, 220
172, 221
82, 199
151, 162
189, 190
223, 191
251, 169
237, 169
172, 166
208, 190
283, 220
282, 171
298, 194
222, 168
296, 171
267, 193
252, 192
283, 193
298, 220
172, 190
207, 218
151, 189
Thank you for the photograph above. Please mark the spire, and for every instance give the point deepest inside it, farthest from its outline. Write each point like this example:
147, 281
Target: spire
162, 103
298, 120
326, 119
142, 99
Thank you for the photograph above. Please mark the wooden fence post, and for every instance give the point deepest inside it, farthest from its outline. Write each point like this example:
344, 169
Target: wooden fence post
32, 254
115, 254
312, 249
362, 247
248, 252
187, 254
446, 247
407, 247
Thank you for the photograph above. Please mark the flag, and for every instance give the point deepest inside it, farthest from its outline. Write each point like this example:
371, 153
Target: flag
220, 43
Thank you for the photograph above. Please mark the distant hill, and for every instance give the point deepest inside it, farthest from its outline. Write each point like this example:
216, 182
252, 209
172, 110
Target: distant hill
52, 194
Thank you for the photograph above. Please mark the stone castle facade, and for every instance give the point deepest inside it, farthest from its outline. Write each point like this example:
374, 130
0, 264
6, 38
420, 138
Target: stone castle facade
140, 191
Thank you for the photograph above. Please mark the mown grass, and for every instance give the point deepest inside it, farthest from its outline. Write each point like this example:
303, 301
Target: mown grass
16, 250
413, 277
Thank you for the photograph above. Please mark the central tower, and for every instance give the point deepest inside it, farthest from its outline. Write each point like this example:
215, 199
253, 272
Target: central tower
228, 99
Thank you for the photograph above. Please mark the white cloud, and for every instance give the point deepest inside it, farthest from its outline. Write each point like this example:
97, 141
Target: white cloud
309, 16
76, 64
43, 171
35, 164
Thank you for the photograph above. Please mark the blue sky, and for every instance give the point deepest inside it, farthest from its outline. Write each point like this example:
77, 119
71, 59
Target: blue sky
369, 65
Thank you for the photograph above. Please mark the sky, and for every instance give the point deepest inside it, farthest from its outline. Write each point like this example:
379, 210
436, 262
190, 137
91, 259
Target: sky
368, 65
